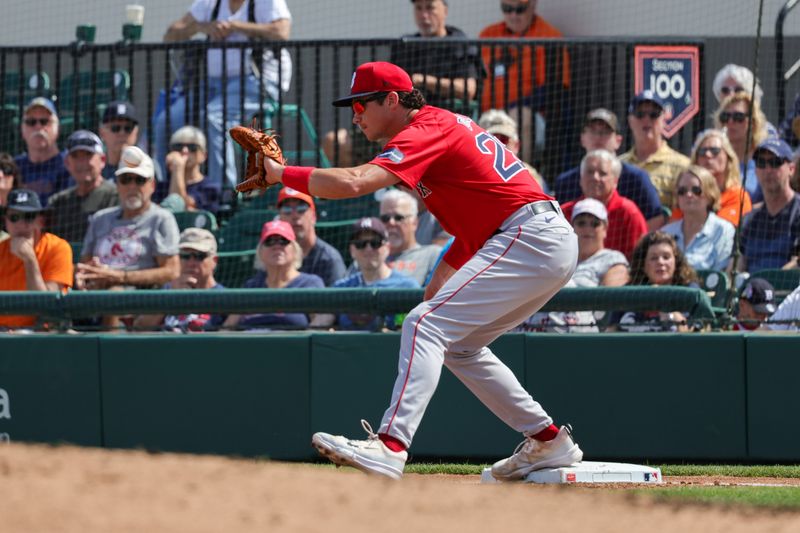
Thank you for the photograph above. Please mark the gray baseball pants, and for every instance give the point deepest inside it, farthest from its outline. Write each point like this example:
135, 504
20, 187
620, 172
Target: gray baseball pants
511, 277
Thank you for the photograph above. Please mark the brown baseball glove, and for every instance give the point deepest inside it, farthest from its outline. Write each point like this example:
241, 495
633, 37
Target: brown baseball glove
258, 144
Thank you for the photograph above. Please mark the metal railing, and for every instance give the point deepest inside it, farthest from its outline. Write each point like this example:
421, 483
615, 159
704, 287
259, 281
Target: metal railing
84, 77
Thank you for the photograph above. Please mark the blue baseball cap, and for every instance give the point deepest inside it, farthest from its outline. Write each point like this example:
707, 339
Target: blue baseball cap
86, 141
41, 101
777, 146
645, 96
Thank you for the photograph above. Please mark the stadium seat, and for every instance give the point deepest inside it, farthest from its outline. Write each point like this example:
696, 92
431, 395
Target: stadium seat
234, 268
279, 117
15, 91
83, 97
242, 230
716, 284
197, 219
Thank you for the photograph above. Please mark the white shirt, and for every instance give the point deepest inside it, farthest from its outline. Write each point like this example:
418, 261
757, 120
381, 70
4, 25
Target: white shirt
265, 11
712, 246
787, 311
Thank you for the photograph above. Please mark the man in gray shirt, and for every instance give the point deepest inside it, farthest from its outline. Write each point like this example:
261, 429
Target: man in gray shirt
72, 207
398, 211
134, 244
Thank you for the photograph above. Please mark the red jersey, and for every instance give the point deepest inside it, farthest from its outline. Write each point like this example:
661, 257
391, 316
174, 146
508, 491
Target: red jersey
467, 178
626, 223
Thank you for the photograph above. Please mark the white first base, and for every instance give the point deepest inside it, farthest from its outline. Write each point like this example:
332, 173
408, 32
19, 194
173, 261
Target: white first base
588, 472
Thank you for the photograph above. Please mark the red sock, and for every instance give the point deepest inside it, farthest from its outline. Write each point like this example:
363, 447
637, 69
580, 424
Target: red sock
548, 433
392, 443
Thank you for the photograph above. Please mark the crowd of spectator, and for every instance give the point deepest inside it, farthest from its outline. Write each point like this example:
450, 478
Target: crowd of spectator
651, 216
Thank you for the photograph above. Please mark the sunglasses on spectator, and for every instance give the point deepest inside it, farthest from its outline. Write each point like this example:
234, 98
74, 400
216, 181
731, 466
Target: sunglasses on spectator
582, 223
125, 179
508, 8
373, 243
502, 138
7, 169
33, 121
652, 114
694, 189
178, 147
360, 105
300, 209
730, 90
197, 256
272, 241
774, 162
27, 217
386, 218
709, 151
737, 116
116, 128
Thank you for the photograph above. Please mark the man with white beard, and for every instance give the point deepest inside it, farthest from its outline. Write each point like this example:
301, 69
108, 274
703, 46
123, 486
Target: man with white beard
132, 245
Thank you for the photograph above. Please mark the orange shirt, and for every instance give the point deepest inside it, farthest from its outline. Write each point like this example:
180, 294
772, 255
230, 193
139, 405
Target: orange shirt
728, 206
506, 63
55, 262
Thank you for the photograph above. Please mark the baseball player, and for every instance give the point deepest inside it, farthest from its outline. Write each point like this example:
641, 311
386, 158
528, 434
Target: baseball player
513, 251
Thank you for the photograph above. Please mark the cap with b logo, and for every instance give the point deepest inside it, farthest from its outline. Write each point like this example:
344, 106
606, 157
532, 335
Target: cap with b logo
761, 295
376, 77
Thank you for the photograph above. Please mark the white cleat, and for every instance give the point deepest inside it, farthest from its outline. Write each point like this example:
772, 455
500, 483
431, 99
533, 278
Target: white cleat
533, 455
370, 456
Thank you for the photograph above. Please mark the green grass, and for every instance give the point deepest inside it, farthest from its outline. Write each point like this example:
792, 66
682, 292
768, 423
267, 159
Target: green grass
732, 470
769, 497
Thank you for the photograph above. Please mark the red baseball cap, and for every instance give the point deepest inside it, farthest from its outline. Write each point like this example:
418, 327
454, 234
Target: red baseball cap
287, 193
277, 227
376, 77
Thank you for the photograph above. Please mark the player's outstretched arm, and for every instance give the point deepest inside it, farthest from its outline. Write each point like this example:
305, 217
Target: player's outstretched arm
333, 183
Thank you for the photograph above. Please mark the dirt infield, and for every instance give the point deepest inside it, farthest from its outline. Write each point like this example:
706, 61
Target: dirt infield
70, 489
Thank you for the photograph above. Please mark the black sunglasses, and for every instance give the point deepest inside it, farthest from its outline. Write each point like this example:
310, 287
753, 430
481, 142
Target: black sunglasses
197, 256
774, 162
27, 217
116, 128
33, 121
396, 217
508, 8
728, 90
652, 114
737, 116
709, 151
373, 243
582, 223
7, 169
177, 147
695, 189
125, 179
272, 241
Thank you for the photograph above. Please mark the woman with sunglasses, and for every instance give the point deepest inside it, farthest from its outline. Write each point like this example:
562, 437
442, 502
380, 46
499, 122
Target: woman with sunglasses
733, 117
657, 261
282, 256
713, 151
189, 188
705, 238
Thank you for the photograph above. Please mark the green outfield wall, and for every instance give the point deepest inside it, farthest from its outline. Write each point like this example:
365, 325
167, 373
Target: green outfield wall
721, 397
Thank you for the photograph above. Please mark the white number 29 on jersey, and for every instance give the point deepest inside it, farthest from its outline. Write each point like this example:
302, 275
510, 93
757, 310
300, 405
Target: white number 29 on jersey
506, 163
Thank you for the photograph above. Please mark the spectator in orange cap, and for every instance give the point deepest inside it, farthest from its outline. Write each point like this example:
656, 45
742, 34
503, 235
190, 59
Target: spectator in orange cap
319, 257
